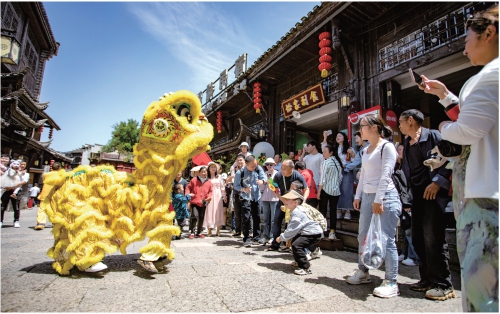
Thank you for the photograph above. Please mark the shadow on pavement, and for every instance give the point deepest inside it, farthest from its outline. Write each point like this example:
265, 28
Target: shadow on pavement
115, 263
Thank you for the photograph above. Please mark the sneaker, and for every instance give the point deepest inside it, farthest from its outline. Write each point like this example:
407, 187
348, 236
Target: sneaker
96, 267
284, 249
301, 271
39, 227
347, 215
191, 236
339, 214
16, 224
359, 277
237, 235
308, 256
332, 236
247, 243
409, 262
421, 286
440, 293
401, 257
256, 240
387, 289
201, 236
270, 241
262, 241
317, 253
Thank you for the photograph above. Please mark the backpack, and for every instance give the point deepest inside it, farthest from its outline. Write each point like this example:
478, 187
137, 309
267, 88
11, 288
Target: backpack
404, 190
315, 215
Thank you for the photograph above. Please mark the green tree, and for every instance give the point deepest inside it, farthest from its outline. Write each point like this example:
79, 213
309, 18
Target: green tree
123, 137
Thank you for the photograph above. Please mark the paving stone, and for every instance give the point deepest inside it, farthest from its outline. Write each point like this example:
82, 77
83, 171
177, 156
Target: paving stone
264, 296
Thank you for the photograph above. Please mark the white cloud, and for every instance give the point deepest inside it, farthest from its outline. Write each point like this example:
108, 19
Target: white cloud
198, 35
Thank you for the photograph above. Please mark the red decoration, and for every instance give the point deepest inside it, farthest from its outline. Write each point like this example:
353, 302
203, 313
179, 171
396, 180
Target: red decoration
40, 129
257, 97
391, 119
325, 59
201, 159
219, 121
51, 132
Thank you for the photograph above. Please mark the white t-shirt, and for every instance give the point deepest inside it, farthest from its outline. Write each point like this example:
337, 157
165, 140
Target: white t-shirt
34, 191
376, 172
315, 164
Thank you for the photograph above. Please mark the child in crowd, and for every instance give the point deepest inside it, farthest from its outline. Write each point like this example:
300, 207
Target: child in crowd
180, 203
303, 231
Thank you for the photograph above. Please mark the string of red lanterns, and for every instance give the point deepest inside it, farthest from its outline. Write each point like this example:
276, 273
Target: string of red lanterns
219, 121
40, 129
257, 97
51, 132
325, 60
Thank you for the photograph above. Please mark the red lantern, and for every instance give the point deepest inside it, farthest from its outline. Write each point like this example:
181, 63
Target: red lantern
51, 132
325, 50
219, 121
257, 97
40, 129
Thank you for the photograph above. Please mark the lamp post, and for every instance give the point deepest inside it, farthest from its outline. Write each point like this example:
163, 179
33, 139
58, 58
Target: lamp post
10, 47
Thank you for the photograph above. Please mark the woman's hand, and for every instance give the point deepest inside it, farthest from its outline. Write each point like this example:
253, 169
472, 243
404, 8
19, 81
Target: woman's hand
318, 197
356, 204
278, 239
378, 208
434, 87
191, 194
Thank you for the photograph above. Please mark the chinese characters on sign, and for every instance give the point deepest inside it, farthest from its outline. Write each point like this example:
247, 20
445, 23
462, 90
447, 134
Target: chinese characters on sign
306, 100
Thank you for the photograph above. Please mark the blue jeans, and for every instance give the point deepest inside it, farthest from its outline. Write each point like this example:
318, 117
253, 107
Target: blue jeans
249, 214
389, 220
268, 208
411, 251
279, 215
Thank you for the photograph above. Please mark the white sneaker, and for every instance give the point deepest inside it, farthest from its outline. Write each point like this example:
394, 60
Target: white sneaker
308, 256
359, 277
317, 253
387, 289
409, 262
347, 215
96, 267
339, 214
401, 257
332, 236
16, 224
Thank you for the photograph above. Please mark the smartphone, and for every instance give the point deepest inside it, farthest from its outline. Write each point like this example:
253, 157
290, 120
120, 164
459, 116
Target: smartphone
329, 132
305, 145
415, 77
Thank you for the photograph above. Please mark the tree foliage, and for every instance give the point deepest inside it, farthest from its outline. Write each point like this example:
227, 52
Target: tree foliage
123, 137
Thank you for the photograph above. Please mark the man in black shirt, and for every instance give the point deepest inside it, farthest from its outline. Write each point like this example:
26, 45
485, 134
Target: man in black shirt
430, 197
284, 179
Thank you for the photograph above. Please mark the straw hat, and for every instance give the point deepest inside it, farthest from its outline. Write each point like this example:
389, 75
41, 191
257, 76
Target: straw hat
293, 195
214, 163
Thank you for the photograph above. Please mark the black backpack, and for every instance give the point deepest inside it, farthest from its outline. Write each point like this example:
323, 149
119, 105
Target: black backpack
404, 190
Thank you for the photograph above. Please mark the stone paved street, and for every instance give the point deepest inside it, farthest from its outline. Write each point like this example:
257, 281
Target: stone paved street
207, 275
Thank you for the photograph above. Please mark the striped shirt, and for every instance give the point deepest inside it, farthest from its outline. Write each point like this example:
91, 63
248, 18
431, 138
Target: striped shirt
332, 176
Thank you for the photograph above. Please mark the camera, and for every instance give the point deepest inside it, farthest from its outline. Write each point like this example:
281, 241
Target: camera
204, 202
449, 149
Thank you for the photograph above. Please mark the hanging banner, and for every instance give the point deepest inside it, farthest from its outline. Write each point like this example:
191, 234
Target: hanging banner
310, 98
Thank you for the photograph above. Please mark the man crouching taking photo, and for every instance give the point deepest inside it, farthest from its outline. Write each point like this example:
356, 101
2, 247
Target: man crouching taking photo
303, 231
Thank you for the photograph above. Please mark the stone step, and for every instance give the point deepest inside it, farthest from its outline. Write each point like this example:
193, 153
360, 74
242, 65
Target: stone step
331, 245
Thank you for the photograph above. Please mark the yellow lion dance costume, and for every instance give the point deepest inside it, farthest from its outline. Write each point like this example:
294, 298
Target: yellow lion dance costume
96, 210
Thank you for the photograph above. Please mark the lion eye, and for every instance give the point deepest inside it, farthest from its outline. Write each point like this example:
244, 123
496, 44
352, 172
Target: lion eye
184, 111
160, 126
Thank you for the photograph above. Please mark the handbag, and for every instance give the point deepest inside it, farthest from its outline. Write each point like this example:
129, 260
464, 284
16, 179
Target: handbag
399, 179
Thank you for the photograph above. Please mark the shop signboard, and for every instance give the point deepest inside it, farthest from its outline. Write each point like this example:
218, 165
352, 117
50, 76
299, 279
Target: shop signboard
354, 119
306, 100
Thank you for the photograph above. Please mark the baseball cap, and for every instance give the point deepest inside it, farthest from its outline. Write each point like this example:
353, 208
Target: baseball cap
293, 195
244, 144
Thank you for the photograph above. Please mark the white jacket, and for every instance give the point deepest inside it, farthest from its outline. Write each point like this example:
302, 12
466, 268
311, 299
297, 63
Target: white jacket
477, 126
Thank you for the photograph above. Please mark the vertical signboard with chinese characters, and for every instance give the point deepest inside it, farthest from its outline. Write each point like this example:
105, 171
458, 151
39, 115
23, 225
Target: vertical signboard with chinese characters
308, 99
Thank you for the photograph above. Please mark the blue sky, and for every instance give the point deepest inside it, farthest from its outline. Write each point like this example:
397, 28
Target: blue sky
116, 58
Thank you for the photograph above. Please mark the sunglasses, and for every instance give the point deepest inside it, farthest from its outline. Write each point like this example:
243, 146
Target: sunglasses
268, 165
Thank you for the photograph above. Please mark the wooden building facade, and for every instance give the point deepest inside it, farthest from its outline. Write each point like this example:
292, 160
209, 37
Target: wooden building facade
23, 117
373, 46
